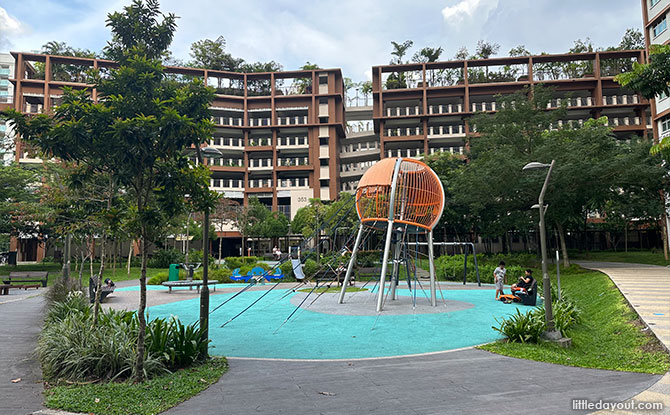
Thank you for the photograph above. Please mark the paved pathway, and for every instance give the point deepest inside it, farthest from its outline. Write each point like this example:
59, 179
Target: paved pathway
647, 290
468, 381
22, 313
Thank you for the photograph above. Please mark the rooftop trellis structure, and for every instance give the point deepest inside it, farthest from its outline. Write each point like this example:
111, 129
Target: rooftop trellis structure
401, 196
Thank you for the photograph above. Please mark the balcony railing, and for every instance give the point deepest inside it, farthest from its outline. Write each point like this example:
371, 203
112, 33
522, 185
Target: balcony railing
260, 142
226, 162
260, 164
359, 127
292, 142
358, 147
570, 102
293, 183
359, 101
259, 183
405, 152
445, 108
483, 106
404, 131
620, 99
292, 120
402, 111
236, 184
233, 121
293, 161
34, 108
259, 121
227, 142
446, 130
623, 121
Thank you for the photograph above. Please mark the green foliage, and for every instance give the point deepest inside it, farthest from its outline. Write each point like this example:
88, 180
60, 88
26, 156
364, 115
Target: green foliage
178, 345
368, 258
122, 398
287, 269
236, 262
71, 348
521, 327
61, 290
162, 258
19, 200
452, 267
158, 278
310, 268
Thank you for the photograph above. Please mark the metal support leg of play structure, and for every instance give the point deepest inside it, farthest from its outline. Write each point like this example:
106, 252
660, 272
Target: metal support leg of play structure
347, 276
396, 270
431, 265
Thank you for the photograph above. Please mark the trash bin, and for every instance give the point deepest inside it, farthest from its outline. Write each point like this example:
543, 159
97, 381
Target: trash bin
173, 274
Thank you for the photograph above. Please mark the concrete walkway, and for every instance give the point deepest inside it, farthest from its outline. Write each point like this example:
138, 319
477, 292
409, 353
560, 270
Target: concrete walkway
22, 313
468, 381
647, 290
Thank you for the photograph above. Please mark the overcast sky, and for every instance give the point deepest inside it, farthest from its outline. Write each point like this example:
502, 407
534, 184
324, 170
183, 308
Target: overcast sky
351, 34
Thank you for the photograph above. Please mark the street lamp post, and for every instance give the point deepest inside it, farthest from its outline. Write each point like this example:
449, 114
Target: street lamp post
209, 152
551, 332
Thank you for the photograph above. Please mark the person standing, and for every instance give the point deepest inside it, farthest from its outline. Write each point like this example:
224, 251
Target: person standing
499, 278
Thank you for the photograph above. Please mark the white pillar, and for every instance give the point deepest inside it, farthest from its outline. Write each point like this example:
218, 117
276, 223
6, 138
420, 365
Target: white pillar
354, 251
382, 276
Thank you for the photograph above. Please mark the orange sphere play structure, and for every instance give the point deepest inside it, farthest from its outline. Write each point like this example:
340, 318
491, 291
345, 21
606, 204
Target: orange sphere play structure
419, 196
400, 196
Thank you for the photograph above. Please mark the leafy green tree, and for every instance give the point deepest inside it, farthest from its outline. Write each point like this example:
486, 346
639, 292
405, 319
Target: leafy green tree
64, 72
485, 50
462, 53
427, 55
399, 51
138, 133
20, 210
633, 39
519, 51
211, 54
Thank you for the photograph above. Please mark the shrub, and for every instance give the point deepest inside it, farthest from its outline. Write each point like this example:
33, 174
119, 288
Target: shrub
162, 258
287, 269
310, 268
452, 267
196, 256
75, 302
60, 290
368, 258
566, 313
158, 278
178, 345
219, 274
521, 328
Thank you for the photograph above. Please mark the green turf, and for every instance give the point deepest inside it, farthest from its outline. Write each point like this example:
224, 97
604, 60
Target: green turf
121, 273
634, 257
127, 398
609, 336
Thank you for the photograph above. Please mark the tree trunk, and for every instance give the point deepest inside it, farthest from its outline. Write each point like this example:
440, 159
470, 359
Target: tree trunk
220, 243
564, 248
142, 323
98, 283
130, 256
625, 237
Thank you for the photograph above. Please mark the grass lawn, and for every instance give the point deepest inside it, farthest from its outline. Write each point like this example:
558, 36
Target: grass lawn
333, 289
55, 271
125, 398
609, 336
634, 257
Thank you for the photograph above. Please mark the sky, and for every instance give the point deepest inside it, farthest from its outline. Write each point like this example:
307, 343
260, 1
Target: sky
350, 34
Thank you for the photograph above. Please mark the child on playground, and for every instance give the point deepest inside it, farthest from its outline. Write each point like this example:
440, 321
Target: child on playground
499, 278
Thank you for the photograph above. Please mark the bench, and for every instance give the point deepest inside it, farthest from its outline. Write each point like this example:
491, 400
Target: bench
105, 290
369, 272
189, 284
27, 276
4, 288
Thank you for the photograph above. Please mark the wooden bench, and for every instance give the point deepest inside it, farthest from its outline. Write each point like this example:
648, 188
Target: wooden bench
4, 288
27, 276
187, 283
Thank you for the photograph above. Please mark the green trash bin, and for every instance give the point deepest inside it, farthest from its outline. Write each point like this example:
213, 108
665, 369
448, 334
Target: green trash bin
173, 275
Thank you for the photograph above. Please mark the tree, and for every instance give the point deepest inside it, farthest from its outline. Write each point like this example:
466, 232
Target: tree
399, 51
224, 213
427, 55
65, 72
211, 54
633, 39
651, 79
20, 210
462, 54
137, 134
485, 50
519, 51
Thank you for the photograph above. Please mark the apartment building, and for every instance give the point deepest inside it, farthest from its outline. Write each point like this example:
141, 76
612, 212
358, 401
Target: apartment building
278, 132
423, 108
6, 96
655, 15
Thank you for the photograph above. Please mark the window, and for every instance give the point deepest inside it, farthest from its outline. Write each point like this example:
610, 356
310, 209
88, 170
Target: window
665, 125
660, 27
653, 3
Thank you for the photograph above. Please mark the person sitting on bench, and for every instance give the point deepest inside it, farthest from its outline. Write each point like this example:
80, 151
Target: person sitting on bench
524, 283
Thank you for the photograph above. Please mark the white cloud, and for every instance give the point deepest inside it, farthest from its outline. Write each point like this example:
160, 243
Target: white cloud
465, 10
10, 27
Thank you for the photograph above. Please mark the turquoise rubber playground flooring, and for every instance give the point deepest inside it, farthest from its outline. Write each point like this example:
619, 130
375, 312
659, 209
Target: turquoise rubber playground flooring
316, 335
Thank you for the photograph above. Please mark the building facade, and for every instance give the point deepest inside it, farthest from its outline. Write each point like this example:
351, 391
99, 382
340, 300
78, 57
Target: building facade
287, 137
655, 15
